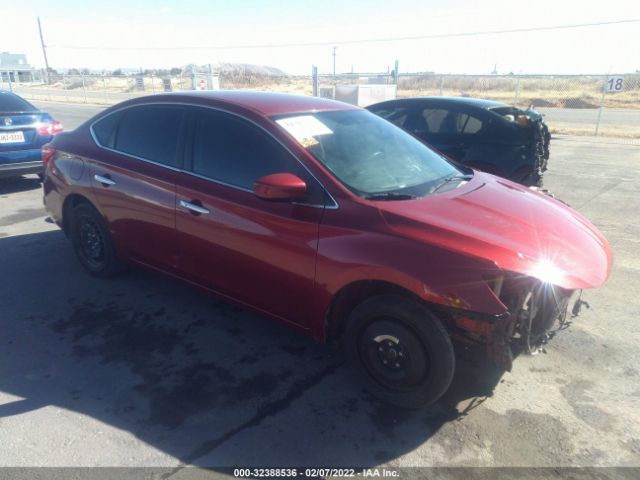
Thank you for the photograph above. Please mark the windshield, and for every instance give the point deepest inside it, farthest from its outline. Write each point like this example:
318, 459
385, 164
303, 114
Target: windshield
368, 154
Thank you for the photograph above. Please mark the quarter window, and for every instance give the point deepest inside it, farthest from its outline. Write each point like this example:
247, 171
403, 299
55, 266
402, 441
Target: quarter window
151, 132
105, 129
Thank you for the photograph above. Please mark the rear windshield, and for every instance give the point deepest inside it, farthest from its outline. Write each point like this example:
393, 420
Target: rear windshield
10, 103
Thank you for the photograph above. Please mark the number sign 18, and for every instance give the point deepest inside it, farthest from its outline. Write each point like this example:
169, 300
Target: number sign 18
614, 84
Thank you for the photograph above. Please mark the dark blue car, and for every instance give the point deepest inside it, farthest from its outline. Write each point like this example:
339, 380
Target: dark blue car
23, 131
483, 134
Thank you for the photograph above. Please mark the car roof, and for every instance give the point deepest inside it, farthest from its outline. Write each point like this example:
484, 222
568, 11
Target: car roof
8, 92
469, 101
264, 103
12, 94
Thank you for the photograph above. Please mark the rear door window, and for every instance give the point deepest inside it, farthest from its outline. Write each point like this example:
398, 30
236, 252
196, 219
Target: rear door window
151, 132
450, 122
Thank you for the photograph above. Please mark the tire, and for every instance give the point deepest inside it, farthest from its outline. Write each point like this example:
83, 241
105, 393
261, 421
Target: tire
400, 351
92, 242
534, 179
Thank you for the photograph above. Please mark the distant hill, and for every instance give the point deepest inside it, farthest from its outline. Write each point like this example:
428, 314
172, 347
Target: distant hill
240, 69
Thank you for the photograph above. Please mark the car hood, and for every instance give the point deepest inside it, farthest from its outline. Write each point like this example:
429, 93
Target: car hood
517, 228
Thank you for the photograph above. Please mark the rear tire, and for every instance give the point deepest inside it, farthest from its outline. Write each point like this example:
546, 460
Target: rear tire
400, 350
92, 242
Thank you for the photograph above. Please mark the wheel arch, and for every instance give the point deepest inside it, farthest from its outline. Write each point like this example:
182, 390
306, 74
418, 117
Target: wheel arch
70, 202
353, 294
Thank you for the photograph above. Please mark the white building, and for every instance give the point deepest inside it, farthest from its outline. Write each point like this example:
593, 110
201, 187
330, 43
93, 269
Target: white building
14, 67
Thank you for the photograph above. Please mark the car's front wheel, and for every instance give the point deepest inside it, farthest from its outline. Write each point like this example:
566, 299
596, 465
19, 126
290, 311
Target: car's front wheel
400, 350
92, 242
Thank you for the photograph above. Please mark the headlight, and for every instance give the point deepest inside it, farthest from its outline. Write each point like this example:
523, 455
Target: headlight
547, 272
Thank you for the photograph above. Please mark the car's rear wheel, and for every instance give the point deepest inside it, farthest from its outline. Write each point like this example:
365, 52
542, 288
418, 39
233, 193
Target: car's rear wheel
400, 350
92, 242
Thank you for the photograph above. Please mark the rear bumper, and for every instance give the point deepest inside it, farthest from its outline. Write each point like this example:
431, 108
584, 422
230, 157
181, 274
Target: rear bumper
22, 168
20, 162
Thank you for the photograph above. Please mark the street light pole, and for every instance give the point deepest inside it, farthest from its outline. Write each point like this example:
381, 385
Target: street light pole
44, 52
334, 61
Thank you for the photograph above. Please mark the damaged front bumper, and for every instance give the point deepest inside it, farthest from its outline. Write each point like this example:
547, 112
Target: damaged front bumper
537, 311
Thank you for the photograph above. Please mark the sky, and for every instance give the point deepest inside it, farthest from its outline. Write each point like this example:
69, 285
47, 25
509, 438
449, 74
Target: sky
162, 34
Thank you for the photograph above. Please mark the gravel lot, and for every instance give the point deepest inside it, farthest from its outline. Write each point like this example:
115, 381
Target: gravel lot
141, 370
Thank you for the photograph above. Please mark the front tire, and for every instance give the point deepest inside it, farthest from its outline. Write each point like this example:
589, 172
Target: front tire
92, 242
400, 350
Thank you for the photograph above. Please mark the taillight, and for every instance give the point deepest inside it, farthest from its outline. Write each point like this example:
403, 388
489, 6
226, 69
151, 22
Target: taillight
50, 128
48, 152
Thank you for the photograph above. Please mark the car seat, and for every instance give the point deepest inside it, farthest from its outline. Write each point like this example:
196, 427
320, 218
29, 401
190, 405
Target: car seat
416, 124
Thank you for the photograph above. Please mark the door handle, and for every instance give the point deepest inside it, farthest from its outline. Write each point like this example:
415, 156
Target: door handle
194, 208
105, 181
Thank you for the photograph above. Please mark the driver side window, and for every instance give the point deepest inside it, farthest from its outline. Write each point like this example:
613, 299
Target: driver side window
233, 151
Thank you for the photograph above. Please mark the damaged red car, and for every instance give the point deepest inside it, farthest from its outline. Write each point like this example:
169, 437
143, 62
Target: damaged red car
327, 218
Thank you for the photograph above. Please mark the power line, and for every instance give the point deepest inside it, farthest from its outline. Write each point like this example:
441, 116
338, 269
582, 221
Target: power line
355, 42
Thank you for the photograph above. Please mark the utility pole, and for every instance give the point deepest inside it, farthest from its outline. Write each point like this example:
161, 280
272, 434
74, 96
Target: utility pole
334, 61
44, 52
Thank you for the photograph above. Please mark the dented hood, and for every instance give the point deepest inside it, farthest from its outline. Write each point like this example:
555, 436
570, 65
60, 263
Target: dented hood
518, 229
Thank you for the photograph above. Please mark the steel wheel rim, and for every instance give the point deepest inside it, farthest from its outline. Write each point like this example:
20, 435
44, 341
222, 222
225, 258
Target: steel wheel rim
393, 355
91, 243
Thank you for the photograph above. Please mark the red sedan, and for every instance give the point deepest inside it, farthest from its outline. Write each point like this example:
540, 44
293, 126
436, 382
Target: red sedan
327, 218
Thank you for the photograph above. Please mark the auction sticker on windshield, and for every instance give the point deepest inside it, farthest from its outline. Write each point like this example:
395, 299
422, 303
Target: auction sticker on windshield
304, 128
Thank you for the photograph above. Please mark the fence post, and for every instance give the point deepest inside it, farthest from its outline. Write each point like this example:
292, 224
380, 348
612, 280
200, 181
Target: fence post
314, 80
104, 89
517, 94
64, 87
441, 84
604, 86
395, 74
84, 88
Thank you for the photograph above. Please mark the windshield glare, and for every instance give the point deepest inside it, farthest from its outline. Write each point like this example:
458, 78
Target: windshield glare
370, 155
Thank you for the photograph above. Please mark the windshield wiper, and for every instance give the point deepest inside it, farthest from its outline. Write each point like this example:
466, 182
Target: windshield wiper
389, 196
449, 180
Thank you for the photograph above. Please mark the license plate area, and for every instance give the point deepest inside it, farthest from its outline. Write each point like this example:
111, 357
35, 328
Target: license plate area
12, 137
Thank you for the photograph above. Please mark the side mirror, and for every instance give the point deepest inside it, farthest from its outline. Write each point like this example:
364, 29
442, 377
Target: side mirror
279, 186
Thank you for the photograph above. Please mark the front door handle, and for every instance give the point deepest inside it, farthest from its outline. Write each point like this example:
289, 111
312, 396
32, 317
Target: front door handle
194, 208
105, 181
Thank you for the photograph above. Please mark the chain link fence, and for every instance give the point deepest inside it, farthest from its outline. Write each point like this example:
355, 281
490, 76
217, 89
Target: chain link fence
580, 104
103, 89
572, 104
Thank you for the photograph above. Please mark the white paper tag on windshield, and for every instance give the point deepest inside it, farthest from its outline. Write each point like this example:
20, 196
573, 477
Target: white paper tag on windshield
304, 128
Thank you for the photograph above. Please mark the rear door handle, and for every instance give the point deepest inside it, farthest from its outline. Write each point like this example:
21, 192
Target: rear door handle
194, 208
105, 181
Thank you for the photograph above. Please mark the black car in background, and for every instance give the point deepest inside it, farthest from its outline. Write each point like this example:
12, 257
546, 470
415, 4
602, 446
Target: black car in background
483, 134
23, 131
